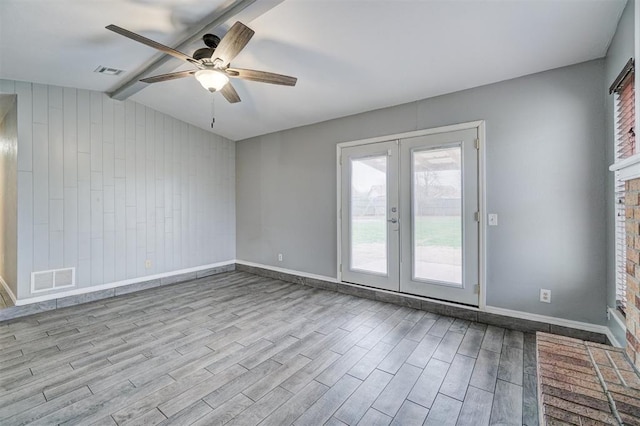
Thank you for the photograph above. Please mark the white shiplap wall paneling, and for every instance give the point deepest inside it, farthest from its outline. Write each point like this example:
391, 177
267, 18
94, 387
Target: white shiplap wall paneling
25, 126
70, 226
25, 226
150, 202
108, 189
70, 177
104, 186
83, 114
56, 179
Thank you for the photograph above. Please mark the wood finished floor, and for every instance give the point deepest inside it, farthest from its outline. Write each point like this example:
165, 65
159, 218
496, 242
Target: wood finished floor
240, 349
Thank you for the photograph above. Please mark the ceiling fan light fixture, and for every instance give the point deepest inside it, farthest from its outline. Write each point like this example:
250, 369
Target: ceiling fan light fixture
212, 80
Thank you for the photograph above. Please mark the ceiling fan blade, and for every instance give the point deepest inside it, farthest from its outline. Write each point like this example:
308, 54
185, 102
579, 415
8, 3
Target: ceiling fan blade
232, 43
166, 77
150, 43
230, 93
261, 76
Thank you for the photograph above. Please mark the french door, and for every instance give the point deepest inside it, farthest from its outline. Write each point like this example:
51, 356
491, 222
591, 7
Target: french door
408, 217
370, 220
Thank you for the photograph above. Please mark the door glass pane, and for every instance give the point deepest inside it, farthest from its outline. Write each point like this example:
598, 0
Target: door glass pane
437, 215
369, 214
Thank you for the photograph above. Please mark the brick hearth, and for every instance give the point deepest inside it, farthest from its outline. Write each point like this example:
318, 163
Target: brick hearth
585, 383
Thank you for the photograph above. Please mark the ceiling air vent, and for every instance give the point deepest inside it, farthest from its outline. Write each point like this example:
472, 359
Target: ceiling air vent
108, 71
51, 280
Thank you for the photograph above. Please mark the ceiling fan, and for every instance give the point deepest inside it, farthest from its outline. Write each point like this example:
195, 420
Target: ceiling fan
213, 61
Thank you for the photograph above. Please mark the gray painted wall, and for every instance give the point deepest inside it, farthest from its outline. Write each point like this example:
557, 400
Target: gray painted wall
105, 185
546, 173
8, 190
620, 50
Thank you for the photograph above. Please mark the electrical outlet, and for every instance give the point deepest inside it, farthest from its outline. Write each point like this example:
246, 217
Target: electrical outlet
279, 257
545, 295
147, 263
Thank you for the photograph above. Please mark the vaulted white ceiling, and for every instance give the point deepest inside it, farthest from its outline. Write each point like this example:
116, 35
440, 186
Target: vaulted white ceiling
350, 56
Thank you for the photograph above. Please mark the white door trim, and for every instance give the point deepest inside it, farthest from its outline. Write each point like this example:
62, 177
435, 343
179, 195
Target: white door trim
414, 133
482, 200
480, 125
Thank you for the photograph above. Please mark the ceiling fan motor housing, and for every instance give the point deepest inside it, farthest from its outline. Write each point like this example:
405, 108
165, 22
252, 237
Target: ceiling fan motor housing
203, 53
211, 40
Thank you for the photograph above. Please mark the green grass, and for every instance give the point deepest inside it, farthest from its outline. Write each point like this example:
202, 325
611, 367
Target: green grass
441, 231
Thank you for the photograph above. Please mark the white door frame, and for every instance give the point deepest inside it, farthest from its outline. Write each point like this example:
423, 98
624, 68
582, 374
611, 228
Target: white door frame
480, 126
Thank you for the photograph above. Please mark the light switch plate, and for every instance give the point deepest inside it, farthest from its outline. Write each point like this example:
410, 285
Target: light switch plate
493, 219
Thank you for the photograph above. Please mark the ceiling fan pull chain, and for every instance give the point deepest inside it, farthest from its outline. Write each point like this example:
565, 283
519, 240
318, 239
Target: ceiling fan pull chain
213, 109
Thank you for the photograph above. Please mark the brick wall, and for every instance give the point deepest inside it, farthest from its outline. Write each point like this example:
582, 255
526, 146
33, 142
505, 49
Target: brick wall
632, 223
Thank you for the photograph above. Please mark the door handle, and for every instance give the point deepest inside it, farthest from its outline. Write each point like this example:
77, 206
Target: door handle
392, 220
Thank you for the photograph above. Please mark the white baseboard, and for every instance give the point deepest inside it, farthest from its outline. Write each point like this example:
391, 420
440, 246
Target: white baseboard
4, 284
287, 271
602, 329
613, 339
334, 280
85, 290
617, 319
489, 309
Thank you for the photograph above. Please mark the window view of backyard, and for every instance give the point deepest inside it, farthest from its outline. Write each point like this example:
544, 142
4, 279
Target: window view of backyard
436, 206
437, 215
369, 214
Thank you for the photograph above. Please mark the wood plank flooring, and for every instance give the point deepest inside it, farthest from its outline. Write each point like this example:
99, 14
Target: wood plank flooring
240, 349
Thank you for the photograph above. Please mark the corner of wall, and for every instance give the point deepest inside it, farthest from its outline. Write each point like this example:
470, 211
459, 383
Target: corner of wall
621, 48
8, 190
617, 327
